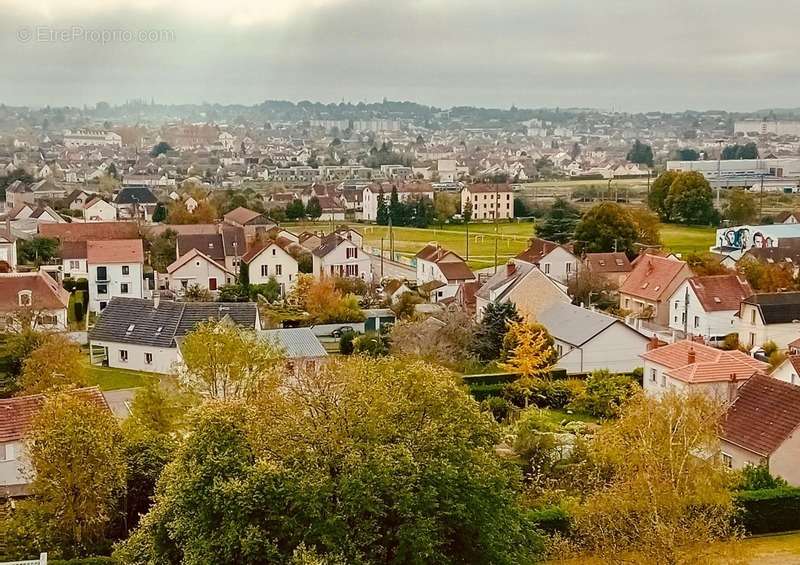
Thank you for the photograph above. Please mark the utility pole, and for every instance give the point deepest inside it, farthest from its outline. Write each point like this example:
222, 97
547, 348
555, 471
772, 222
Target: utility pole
719, 169
761, 198
381, 258
496, 235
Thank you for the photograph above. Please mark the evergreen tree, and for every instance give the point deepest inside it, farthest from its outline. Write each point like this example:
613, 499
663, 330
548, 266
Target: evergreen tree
295, 210
395, 208
314, 208
641, 153
244, 276
383, 210
487, 343
559, 225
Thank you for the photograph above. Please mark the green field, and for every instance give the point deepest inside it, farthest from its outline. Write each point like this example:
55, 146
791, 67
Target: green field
511, 239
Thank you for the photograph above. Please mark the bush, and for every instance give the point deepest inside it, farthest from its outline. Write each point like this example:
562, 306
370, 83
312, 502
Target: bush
604, 394
758, 477
77, 311
71, 285
498, 407
371, 344
552, 520
481, 392
85, 561
543, 393
346, 346
769, 510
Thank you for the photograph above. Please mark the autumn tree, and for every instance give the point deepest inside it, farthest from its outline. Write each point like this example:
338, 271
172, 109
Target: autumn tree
221, 360
767, 277
589, 287
648, 226
405, 306
75, 451
325, 304
741, 208
443, 339
667, 499
445, 206
705, 263
487, 341
528, 350
373, 460
56, 363
607, 227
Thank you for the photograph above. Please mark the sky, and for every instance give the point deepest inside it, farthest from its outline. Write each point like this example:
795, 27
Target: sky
625, 55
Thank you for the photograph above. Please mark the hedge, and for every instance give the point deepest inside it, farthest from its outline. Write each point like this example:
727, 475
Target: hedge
502, 378
77, 561
552, 520
482, 391
769, 511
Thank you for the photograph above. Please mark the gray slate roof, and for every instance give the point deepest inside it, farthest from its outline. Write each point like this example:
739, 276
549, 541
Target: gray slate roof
159, 327
135, 195
297, 343
573, 324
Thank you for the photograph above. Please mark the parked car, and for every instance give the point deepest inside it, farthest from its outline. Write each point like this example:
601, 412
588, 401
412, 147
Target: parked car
339, 331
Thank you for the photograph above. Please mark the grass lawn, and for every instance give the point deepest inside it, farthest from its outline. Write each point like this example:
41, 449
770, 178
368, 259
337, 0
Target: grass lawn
557, 416
685, 239
113, 379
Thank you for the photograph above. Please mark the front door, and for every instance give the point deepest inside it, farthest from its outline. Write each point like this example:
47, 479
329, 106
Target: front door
212, 284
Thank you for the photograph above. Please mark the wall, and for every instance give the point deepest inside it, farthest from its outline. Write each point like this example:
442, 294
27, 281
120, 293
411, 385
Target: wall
740, 457
270, 258
560, 265
115, 279
338, 259
163, 358
718, 323
198, 271
617, 349
783, 461
13, 471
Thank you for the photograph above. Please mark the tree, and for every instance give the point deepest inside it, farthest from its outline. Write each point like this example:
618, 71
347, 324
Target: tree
270, 290
57, 363
658, 479
163, 250
221, 360
767, 277
657, 197
405, 306
313, 209
396, 208
487, 341
298, 296
690, 200
640, 153
295, 210
528, 350
37, 250
374, 460
244, 277
559, 224
160, 213
178, 214
160, 410
648, 226
160, 148
445, 206
197, 293
326, 305
736, 151
687, 154
75, 451
605, 394
444, 339
607, 226
587, 287
741, 208
382, 217
21, 337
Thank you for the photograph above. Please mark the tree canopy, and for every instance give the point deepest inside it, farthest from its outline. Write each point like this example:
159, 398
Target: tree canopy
607, 227
690, 200
741, 208
640, 153
559, 224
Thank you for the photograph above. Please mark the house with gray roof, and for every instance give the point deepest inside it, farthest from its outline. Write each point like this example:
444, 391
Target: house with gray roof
143, 335
301, 348
587, 340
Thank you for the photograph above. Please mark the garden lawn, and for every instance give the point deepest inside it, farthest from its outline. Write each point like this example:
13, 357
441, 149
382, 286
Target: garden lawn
557, 416
687, 239
108, 378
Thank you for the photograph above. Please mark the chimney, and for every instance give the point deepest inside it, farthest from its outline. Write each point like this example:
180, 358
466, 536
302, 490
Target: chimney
733, 390
156, 299
654, 343
511, 268
692, 357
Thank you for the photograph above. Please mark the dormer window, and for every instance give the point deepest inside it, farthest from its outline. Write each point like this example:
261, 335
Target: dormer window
25, 297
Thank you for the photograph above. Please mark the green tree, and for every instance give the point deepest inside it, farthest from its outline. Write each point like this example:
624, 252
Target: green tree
741, 208
690, 200
607, 227
445, 206
160, 148
160, 213
57, 363
295, 210
423, 212
163, 250
389, 461
244, 277
313, 209
687, 154
487, 344
36, 250
559, 224
197, 293
382, 218
736, 151
648, 227
641, 153
657, 197
396, 212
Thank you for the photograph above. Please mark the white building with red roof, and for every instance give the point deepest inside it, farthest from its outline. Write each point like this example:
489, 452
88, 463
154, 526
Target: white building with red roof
686, 365
707, 306
116, 268
195, 268
272, 260
37, 293
442, 272
489, 201
649, 286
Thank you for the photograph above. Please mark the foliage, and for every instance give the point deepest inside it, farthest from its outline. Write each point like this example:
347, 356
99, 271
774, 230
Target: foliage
766, 277
552, 520
657, 197
298, 296
498, 407
21, 338
741, 208
690, 200
351, 285
589, 287
327, 305
160, 410
607, 227
405, 306
313, 208
295, 210
737, 151
545, 393
605, 394
445, 206
769, 511
160, 213
560, 222
487, 340
270, 290
233, 293
75, 450
443, 339
382, 214
221, 360
389, 461
178, 214
163, 250
705, 263
640, 153
197, 293
528, 350
37, 250
758, 477
372, 344
160, 148
346, 346
658, 481
56, 363
648, 226
687, 154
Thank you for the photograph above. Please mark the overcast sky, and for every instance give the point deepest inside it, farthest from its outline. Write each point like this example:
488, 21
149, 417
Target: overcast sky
631, 55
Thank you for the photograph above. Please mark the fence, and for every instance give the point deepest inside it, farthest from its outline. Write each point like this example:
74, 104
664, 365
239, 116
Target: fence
41, 561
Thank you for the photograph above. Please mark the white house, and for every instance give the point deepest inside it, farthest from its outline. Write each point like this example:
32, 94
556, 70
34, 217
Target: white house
197, 268
116, 268
557, 261
144, 335
586, 340
788, 371
73, 259
272, 260
98, 210
707, 306
37, 293
338, 256
523, 284
488, 201
773, 316
441, 272
688, 365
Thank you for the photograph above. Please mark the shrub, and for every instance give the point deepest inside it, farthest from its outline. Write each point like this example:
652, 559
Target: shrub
85, 561
77, 311
758, 477
346, 346
605, 394
769, 511
552, 520
371, 344
542, 393
769, 348
498, 407
483, 391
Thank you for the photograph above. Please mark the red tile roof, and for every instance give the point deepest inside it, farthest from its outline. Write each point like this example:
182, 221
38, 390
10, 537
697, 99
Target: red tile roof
241, 215
435, 253
456, 271
766, 412
281, 242
694, 362
17, 413
115, 251
720, 292
46, 294
607, 262
73, 250
90, 231
539, 248
651, 277
191, 254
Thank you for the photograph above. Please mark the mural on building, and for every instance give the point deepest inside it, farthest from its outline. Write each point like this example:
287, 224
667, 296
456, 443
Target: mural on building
741, 238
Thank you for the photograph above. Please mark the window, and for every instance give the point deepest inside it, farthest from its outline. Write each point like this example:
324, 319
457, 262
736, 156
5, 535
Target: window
752, 339
352, 253
123, 288
24, 297
627, 303
547, 268
148, 358
652, 375
102, 289
663, 379
274, 251
123, 355
74, 265
753, 316
6, 452
351, 270
264, 270
126, 270
569, 268
697, 321
727, 460
278, 270
102, 273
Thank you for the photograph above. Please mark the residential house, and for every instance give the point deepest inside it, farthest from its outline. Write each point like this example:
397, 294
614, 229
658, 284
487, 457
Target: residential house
708, 306
614, 266
272, 260
195, 268
19, 193
77, 199
116, 268
523, 284
440, 272
223, 243
8, 249
143, 335
73, 259
332, 209
16, 417
250, 221
301, 348
689, 365
787, 217
773, 316
649, 286
98, 210
788, 370
135, 202
339, 256
785, 255
586, 340
761, 428
488, 201
35, 292
98, 231
309, 240
557, 261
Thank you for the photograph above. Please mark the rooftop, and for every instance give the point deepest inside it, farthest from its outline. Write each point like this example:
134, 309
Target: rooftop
115, 251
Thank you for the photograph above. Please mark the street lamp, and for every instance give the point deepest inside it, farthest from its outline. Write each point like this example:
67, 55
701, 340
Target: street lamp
719, 168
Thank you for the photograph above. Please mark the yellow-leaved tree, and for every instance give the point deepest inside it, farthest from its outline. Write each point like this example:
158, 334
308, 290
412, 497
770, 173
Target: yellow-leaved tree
528, 350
